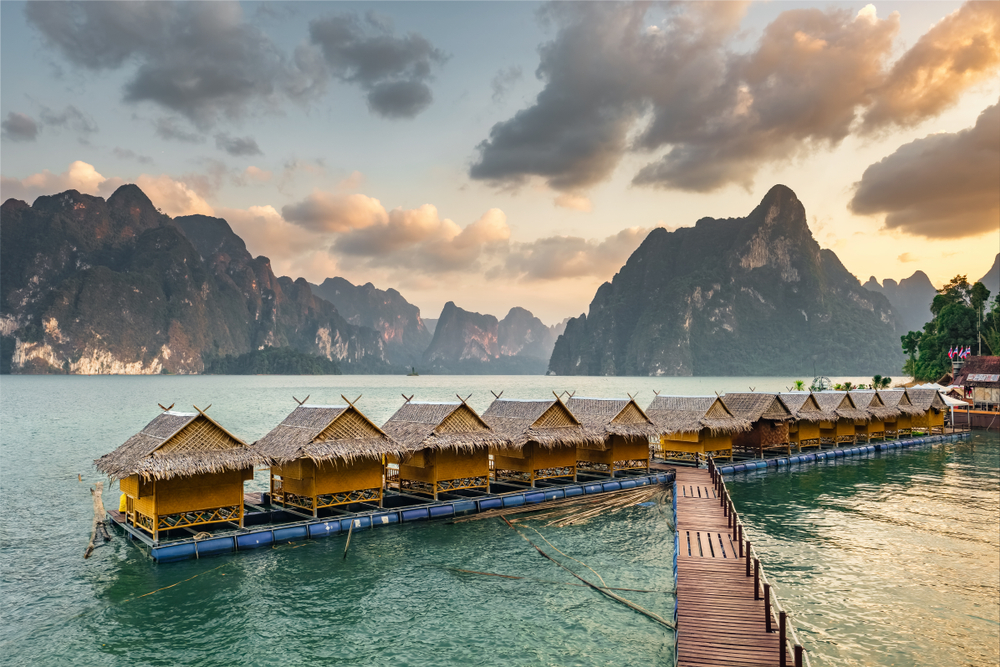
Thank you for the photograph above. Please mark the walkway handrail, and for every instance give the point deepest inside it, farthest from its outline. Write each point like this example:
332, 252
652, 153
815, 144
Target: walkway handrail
799, 654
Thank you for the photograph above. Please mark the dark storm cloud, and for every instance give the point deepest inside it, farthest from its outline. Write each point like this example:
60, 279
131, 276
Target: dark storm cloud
942, 186
394, 70
615, 85
19, 127
198, 59
237, 146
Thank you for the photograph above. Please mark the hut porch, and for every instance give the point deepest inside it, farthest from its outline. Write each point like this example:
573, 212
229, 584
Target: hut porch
622, 453
684, 446
533, 462
311, 486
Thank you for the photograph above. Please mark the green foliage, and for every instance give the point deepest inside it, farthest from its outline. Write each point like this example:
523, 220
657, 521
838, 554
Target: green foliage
800, 385
957, 310
879, 382
272, 361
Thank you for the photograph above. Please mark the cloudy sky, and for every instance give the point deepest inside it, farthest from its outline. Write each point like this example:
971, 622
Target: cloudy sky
515, 153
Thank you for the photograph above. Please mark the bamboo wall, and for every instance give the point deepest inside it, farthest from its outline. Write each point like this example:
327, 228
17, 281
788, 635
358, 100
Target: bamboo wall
619, 448
185, 494
699, 442
305, 478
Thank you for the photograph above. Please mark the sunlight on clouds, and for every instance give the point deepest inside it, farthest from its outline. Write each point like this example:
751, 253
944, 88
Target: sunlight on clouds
575, 202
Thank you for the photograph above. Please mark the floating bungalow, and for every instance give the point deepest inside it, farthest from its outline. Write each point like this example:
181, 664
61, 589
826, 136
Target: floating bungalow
182, 470
540, 440
443, 447
930, 410
326, 455
879, 413
621, 431
840, 417
803, 430
902, 423
691, 426
769, 418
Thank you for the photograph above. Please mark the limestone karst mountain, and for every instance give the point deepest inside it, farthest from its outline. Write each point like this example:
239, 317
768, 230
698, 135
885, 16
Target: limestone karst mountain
744, 296
95, 286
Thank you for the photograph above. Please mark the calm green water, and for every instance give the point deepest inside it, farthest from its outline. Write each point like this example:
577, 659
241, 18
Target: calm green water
887, 560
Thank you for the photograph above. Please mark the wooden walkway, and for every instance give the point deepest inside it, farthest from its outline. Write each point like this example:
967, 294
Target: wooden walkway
719, 623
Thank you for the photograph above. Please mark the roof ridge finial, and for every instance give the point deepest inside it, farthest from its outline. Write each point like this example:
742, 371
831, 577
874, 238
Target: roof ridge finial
631, 397
656, 392
753, 388
302, 402
200, 411
465, 399
408, 398
165, 409
496, 395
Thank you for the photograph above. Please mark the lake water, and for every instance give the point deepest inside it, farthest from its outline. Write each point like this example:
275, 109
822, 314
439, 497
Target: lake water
891, 560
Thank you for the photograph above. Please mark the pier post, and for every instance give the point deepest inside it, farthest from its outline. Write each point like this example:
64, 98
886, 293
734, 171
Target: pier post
739, 537
783, 657
756, 578
748, 558
767, 608
798, 655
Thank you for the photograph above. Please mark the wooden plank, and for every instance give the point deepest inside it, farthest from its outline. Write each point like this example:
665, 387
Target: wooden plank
719, 622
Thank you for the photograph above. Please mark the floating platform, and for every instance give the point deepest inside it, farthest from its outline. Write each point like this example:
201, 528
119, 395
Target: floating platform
265, 526
839, 452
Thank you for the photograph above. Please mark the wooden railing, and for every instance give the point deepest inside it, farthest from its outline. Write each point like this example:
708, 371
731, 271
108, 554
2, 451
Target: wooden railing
787, 636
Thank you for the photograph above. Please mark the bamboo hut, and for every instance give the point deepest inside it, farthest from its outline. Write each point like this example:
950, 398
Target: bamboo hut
182, 470
930, 409
326, 455
621, 433
769, 418
443, 447
540, 440
691, 426
840, 415
803, 430
879, 414
902, 423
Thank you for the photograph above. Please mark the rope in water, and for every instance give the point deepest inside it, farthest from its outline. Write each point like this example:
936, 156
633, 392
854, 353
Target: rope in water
599, 589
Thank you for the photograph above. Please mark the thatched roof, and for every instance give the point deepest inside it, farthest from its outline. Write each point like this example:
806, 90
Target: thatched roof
325, 433
839, 405
755, 406
897, 398
868, 399
549, 423
179, 444
604, 417
418, 425
690, 414
926, 399
983, 371
803, 406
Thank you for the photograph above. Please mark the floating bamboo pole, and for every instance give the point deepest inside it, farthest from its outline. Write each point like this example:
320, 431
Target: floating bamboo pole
100, 516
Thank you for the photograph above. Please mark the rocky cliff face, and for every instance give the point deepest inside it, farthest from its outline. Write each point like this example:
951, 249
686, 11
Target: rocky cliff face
94, 286
467, 342
746, 296
403, 331
910, 298
992, 278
